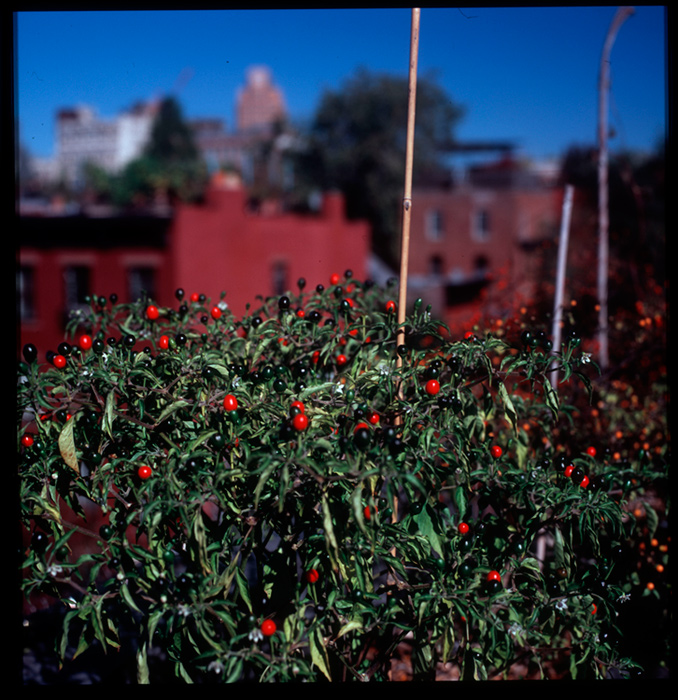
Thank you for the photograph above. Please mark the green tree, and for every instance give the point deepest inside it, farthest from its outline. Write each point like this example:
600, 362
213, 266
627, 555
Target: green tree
357, 144
171, 138
170, 165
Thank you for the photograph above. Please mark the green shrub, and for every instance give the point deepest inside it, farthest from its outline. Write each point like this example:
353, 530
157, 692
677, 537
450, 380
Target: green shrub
417, 495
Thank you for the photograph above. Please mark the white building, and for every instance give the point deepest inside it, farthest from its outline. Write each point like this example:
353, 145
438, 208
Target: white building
83, 137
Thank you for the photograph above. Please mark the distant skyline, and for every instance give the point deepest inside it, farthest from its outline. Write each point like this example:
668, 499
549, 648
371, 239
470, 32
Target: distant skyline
528, 75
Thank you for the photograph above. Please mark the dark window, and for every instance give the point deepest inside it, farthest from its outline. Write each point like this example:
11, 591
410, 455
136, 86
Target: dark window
76, 286
141, 283
481, 225
25, 283
434, 224
436, 265
279, 278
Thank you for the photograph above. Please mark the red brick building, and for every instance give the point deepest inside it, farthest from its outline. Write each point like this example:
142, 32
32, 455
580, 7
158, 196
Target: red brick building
219, 245
474, 243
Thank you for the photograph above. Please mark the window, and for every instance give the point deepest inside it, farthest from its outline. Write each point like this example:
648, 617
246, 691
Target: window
434, 224
25, 284
76, 287
141, 283
435, 265
279, 276
481, 225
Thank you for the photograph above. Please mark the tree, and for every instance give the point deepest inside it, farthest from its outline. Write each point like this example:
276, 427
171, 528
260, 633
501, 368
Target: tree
170, 164
171, 139
357, 144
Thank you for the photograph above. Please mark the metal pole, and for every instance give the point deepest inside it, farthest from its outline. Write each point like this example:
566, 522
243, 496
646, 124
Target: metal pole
563, 241
603, 216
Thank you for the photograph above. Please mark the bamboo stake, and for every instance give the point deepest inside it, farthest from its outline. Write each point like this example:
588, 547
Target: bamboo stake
407, 203
407, 196
603, 217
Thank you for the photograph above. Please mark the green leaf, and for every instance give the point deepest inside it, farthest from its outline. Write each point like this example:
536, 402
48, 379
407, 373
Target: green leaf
427, 529
319, 652
172, 408
350, 626
143, 677
107, 419
509, 409
330, 537
551, 397
127, 596
243, 588
67, 445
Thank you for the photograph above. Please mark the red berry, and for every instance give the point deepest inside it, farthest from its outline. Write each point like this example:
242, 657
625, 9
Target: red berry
85, 342
334, 278
230, 402
496, 451
216, 312
163, 342
584, 482
301, 313
144, 472
373, 418
568, 470
298, 405
361, 425
494, 576
27, 440
432, 387
463, 528
268, 628
312, 575
300, 422
591, 451
368, 510
342, 360
195, 297
59, 361
390, 306
469, 335
315, 357
152, 312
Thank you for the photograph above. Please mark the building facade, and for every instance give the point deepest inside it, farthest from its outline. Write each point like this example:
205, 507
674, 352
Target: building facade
480, 242
82, 137
260, 103
218, 245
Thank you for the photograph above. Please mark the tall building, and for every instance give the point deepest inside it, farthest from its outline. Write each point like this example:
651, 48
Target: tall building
260, 103
82, 137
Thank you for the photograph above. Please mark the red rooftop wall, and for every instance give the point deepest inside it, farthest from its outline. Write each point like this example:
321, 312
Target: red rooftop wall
221, 246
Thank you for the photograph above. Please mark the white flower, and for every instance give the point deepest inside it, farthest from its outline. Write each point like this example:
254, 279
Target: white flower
184, 610
255, 635
215, 666
585, 357
624, 598
561, 605
339, 389
54, 570
222, 305
515, 629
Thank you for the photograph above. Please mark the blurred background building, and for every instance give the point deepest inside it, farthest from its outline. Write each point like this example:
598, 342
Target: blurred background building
479, 235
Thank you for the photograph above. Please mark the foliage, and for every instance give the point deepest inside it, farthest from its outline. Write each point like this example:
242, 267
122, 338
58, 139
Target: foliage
403, 444
170, 166
357, 143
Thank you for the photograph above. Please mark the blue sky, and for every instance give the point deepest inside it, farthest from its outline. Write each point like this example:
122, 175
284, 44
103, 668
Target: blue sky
528, 75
